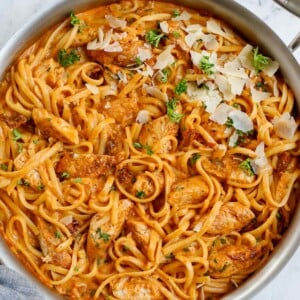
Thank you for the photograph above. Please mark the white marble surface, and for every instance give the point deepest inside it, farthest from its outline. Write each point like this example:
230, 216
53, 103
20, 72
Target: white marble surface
14, 13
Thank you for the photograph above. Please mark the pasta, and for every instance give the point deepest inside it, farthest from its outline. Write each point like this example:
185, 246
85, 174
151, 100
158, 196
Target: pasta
147, 152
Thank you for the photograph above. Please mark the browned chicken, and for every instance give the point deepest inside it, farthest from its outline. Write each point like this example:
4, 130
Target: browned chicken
188, 137
13, 121
192, 190
228, 169
136, 288
86, 165
124, 111
283, 186
228, 260
152, 134
115, 139
232, 216
49, 239
141, 233
102, 232
216, 130
126, 57
145, 184
52, 126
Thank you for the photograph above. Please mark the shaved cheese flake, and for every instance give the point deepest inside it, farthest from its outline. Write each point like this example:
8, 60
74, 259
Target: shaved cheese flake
214, 26
119, 36
241, 120
144, 53
67, 220
92, 88
285, 126
237, 84
233, 139
165, 58
164, 26
234, 68
115, 22
195, 57
224, 86
194, 33
210, 42
246, 57
259, 96
260, 163
184, 16
157, 93
275, 89
143, 117
198, 227
271, 68
221, 113
114, 47
122, 77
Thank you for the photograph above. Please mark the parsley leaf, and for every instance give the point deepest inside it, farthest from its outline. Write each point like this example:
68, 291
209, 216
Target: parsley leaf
148, 149
140, 194
153, 37
176, 34
4, 167
67, 58
164, 75
170, 255
23, 182
57, 234
172, 114
40, 187
229, 122
102, 235
181, 87
35, 141
259, 61
176, 13
138, 61
74, 20
194, 158
206, 66
137, 145
16, 134
246, 166
64, 175
20, 147
78, 180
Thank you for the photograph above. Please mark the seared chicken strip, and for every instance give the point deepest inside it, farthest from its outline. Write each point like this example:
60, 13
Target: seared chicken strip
52, 126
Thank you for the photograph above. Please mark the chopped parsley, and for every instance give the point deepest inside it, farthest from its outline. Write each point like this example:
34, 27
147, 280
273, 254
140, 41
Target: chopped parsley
23, 182
229, 122
78, 180
181, 87
278, 216
76, 269
172, 114
102, 235
223, 241
194, 158
140, 194
237, 106
40, 187
67, 58
74, 20
35, 141
64, 175
57, 234
16, 134
20, 147
225, 267
206, 66
148, 149
246, 166
138, 61
153, 37
261, 85
4, 167
176, 34
259, 61
170, 256
176, 13
164, 75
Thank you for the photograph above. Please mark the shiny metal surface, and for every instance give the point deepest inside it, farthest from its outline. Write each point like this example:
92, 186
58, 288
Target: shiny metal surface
254, 31
291, 5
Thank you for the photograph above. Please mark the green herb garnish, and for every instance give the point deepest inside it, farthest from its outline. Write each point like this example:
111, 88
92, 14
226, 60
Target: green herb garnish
176, 13
64, 175
194, 158
170, 256
140, 194
229, 122
35, 141
172, 114
259, 61
20, 147
57, 234
67, 58
102, 235
78, 180
176, 34
40, 187
4, 167
246, 166
148, 149
164, 75
16, 134
153, 37
138, 61
181, 87
206, 66
74, 20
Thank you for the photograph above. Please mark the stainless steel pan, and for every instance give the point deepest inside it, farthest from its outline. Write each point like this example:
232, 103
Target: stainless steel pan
253, 30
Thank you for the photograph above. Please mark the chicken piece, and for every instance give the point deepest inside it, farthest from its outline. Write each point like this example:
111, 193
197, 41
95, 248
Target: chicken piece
232, 216
154, 132
124, 111
283, 185
188, 137
228, 260
13, 121
217, 131
115, 140
52, 126
86, 165
50, 238
228, 169
145, 184
129, 44
142, 234
136, 288
192, 190
102, 232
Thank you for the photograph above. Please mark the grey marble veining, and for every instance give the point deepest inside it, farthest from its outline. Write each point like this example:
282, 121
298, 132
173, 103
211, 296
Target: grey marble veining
14, 13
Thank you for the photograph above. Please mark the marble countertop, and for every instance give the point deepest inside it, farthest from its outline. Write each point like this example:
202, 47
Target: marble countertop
14, 13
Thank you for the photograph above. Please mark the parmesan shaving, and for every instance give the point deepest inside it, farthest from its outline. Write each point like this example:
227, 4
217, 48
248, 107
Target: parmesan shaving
67, 220
271, 68
258, 96
164, 26
214, 26
115, 22
221, 113
241, 120
285, 126
260, 163
156, 92
92, 88
233, 139
184, 16
165, 58
224, 86
144, 53
143, 117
